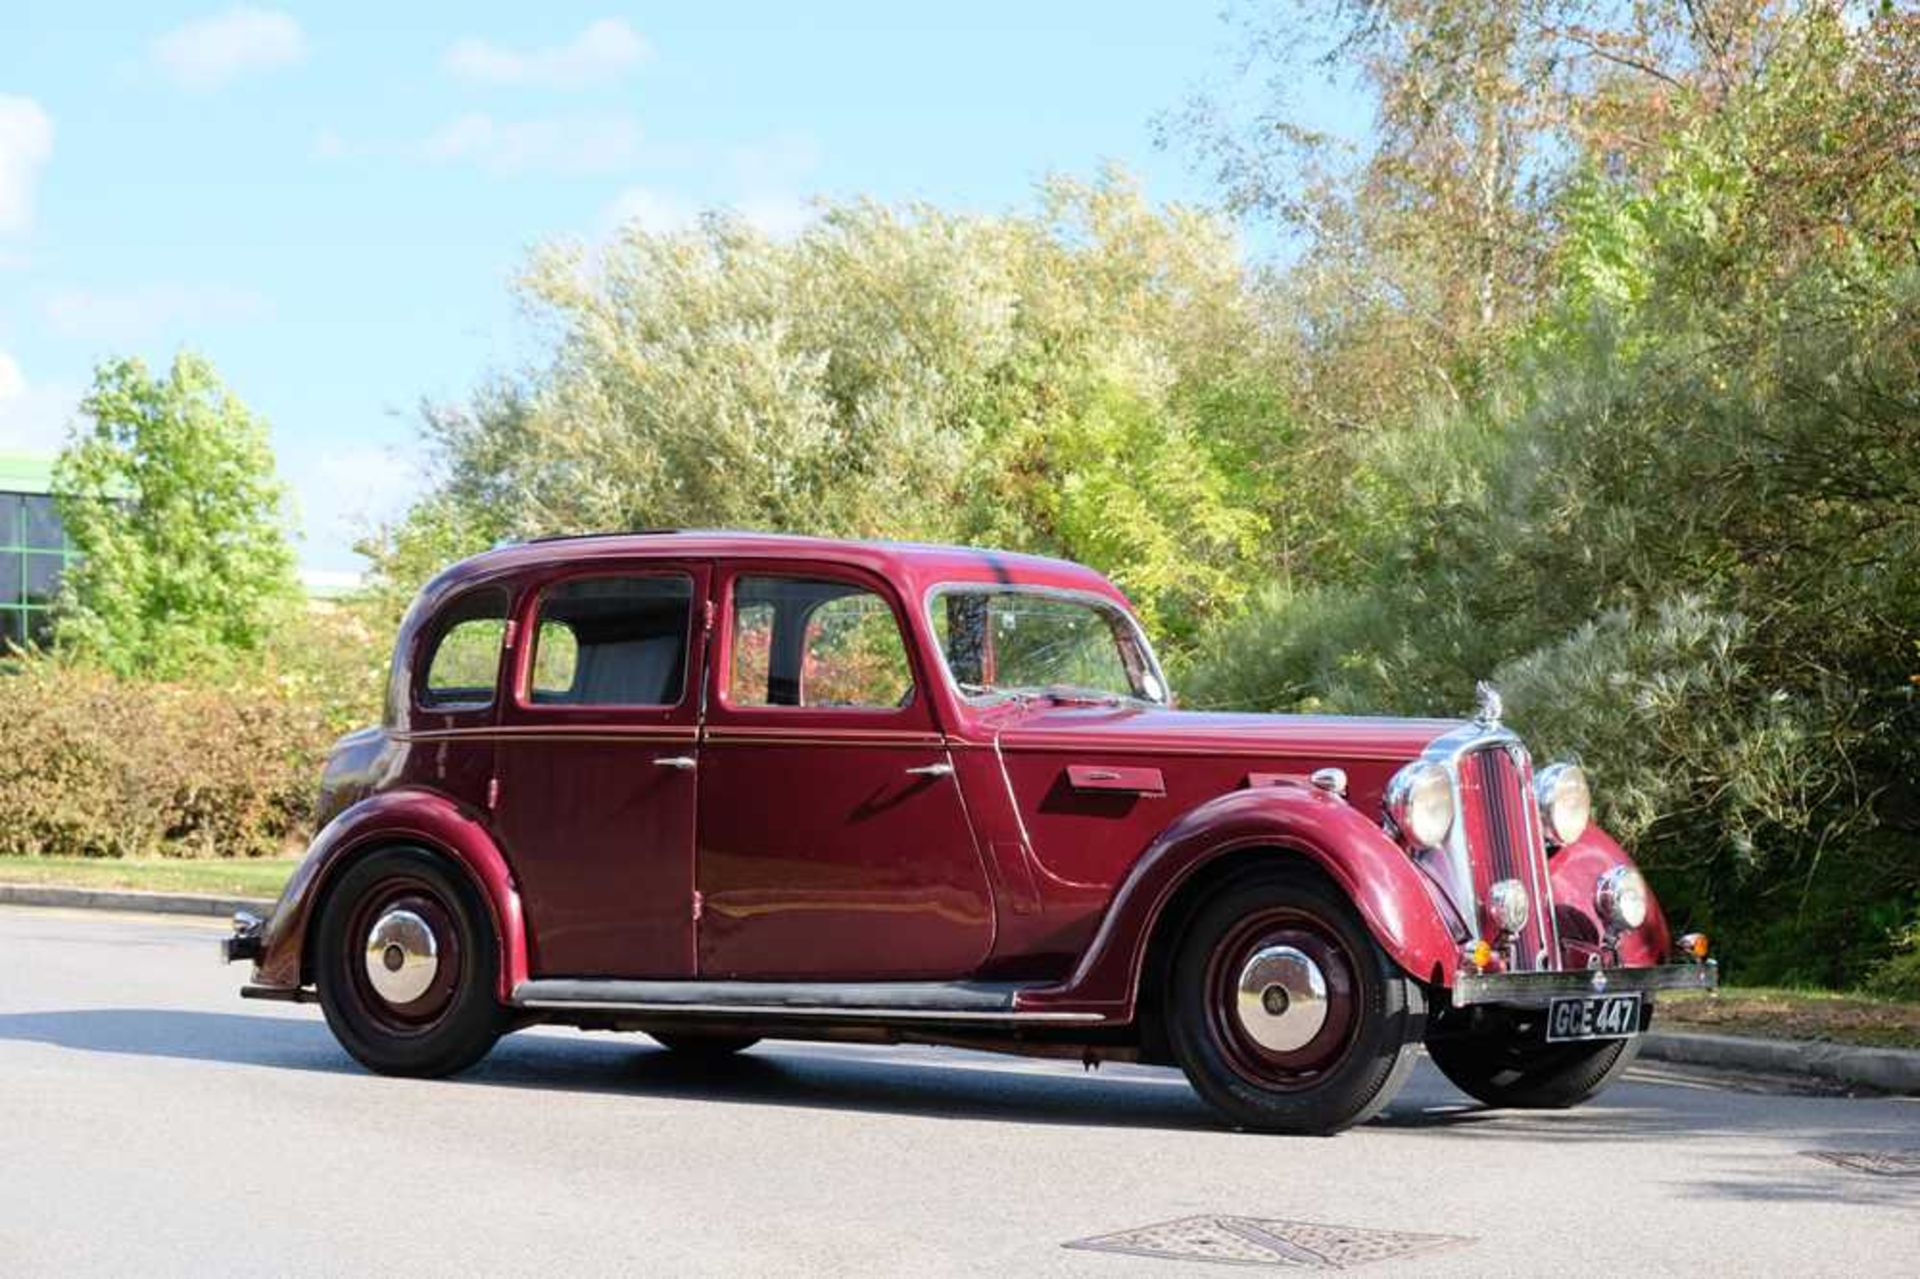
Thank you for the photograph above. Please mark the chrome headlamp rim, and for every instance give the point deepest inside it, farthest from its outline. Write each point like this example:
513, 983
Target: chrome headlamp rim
1620, 898
1419, 803
1565, 800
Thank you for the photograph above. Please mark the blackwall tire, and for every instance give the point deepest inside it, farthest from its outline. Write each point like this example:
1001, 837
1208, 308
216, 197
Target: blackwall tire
395, 1011
699, 1046
1281, 1060
1530, 1075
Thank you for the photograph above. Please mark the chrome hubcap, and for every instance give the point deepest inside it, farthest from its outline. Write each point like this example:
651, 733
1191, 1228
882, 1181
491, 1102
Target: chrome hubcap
1281, 1000
402, 957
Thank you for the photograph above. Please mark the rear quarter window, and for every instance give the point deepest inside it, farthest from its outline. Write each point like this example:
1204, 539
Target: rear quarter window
462, 665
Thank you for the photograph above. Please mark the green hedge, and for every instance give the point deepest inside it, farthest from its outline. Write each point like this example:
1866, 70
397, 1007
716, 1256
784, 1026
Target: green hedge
97, 766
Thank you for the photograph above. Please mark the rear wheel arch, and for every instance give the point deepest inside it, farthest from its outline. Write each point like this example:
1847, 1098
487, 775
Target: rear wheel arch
338, 869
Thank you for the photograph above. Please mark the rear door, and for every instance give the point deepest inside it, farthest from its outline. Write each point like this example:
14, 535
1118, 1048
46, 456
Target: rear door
598, 768
833, 843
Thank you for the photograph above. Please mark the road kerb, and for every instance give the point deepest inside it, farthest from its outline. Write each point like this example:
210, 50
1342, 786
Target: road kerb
129, 899
1894, 1070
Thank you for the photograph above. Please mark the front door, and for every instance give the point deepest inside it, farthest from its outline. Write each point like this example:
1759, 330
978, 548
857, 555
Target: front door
598, 769
833, 843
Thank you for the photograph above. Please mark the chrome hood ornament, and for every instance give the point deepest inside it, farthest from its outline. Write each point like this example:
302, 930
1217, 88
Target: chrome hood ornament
1490, 706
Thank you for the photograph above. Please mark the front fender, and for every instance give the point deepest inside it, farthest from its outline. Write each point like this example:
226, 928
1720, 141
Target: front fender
1393, 898
393, 817
1576, 868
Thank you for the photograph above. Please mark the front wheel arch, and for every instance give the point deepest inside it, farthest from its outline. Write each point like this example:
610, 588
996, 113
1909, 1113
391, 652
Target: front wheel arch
1170, 927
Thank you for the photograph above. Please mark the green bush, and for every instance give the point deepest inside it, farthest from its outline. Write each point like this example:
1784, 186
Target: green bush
100, 766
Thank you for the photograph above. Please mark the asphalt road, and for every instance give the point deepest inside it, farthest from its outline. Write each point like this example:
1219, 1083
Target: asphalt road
151, 1123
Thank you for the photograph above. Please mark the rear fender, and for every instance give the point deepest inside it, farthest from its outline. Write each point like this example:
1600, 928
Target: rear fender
416, 817
1293, 819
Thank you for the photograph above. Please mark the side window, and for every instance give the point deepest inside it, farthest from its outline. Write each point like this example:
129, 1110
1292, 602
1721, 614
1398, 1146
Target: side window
806, 642
465, 661
612, 641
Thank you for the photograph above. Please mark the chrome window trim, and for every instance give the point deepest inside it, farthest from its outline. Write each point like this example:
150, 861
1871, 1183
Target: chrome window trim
1092, 598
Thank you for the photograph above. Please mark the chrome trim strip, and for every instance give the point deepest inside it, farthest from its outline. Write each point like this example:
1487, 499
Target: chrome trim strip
1535, 990
812, 1014
852, 1001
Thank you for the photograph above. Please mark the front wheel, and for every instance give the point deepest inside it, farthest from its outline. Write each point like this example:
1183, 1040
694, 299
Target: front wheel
406, 959
1285, 1013
1528, 1075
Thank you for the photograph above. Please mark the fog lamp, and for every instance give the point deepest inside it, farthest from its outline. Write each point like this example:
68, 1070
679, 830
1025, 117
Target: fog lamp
1694, 945
1509, 905
1620, 898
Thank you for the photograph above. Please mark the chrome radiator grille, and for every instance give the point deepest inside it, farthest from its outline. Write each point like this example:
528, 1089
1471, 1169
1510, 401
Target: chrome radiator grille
1503, 841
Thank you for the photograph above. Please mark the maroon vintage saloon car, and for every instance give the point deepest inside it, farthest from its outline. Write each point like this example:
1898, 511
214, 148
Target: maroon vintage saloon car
719, 787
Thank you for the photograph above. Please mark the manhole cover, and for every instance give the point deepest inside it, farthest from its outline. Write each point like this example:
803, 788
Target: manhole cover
1252, 1241
1881, 1163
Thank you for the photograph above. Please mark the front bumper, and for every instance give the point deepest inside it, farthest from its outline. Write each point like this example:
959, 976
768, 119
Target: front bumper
1537, 990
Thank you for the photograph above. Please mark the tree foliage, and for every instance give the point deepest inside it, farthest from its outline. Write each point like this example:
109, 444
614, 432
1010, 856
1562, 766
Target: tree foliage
1086, 379
168, 492
1682, 516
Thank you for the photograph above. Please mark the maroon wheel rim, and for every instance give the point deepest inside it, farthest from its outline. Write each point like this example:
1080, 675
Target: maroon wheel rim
397, 897
1291, 932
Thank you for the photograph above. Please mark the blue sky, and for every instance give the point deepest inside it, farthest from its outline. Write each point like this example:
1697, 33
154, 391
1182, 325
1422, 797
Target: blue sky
329, 200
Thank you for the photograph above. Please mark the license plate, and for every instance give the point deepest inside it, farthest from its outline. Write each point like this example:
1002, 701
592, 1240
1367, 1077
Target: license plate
1594, 1017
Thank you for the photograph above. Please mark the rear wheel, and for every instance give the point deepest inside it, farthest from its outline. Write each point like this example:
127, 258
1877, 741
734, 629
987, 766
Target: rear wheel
699, 1045
1529, 1075
406, 959
1284, 1012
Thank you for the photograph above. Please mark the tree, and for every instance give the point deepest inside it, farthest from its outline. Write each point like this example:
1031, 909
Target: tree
1085, 380
169, 493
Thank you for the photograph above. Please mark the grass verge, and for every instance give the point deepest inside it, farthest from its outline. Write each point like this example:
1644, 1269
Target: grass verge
261, 877
1767, 1013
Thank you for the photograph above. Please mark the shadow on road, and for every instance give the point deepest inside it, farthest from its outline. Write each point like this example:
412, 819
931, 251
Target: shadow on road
976, 1086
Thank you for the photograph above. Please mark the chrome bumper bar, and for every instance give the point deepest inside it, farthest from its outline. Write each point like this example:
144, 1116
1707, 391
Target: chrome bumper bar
1535, 990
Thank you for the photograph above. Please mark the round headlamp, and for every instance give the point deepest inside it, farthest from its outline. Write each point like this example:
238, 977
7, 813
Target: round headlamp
1620, 898
1420, 803
1509, 905
1566, 803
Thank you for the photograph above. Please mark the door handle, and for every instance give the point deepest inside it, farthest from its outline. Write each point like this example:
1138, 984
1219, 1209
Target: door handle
681, 762
942, 769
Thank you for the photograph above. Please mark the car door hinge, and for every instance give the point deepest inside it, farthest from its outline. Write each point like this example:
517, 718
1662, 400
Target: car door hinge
493, 793
706, 615
699, 904
512, 630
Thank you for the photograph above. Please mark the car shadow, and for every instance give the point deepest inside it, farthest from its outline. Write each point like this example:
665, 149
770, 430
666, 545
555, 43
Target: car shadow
976, 1086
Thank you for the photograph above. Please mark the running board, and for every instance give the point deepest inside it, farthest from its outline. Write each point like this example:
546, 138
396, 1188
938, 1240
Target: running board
832, 1001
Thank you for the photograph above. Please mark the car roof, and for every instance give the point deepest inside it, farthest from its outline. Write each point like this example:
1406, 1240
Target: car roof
912, 566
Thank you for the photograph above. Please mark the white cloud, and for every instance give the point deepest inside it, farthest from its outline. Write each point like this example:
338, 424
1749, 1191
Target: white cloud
779, 216
581, 144
656, 212
342, 491
602, 53
26, 140
33, 418
209, 52
123, 314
